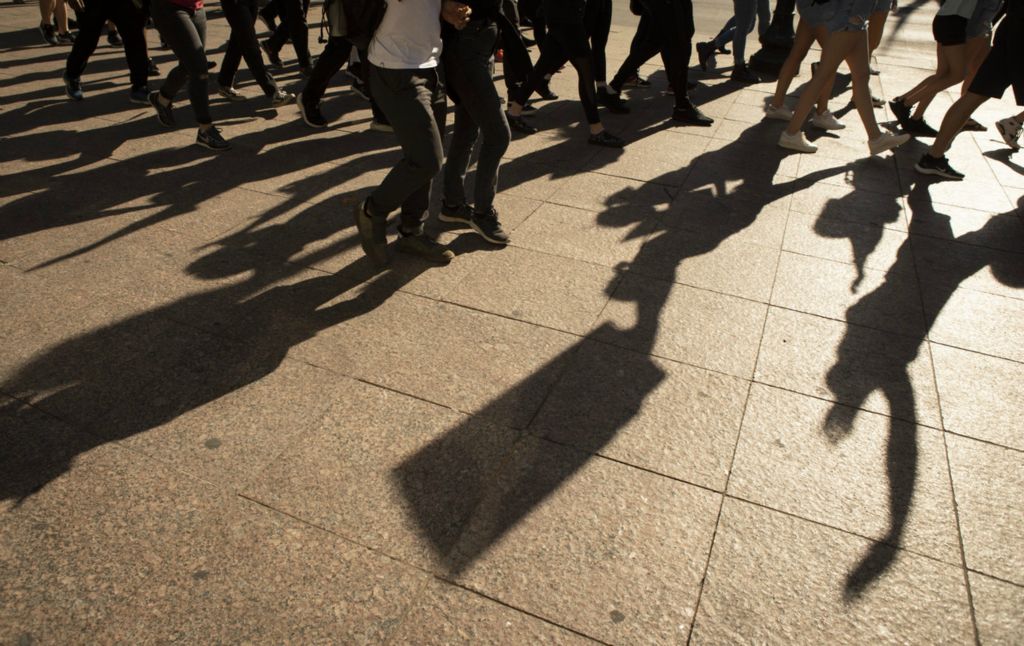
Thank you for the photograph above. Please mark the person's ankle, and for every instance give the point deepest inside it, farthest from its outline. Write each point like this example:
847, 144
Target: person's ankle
596, 128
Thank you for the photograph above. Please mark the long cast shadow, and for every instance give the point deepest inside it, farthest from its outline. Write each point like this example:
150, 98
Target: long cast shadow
868, 360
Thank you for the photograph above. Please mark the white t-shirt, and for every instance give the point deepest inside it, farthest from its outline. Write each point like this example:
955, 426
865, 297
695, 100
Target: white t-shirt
409, 37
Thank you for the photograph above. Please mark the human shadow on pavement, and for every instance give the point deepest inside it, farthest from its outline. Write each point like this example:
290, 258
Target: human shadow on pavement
469, 487
869, 360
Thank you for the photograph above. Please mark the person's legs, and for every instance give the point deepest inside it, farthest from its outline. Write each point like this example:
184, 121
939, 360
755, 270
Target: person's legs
954, 63
745, 15
643, 48
336, 53
184, 31
599, 24
954, 121
801, 45
241, 15
131, 25
975, 51
90, 26
876, 29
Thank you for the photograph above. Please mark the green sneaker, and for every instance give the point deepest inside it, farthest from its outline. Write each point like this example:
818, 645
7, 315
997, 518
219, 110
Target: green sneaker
422, 246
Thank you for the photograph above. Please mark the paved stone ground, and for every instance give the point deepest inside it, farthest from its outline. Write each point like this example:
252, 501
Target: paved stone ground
712, 393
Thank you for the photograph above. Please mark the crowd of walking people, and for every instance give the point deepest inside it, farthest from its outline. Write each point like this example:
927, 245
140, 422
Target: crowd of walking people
409, 57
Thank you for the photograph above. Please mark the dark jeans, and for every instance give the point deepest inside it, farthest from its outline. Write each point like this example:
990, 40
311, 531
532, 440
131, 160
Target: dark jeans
467, 65
292, 25
336, 53
130, 22
184, 31
241, 15
565, 42
643, 48
415, 104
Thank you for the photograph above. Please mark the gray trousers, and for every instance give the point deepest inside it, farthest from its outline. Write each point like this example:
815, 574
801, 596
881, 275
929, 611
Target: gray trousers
415, 104
467, 64
184, 31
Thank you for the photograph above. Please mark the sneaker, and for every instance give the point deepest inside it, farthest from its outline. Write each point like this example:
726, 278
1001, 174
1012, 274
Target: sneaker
73, 88
520, 125
462, 214
381, 126
796, 142
606, 139
636, 81
781, 113
918, 128
938, 166
67, 38
164, 113
311, 114
49, 33
723, 49
544, 92
427, 249
487, 227
974, 126
743, 74
612, 100
372, 234
281, 98
139, 94
827, 121
272, 57
1010, 130
114, 39
210, 138
230, 93
876, 102
886, 141
529, 109
901, 111
359, 87
706, 55
690, 115
153, 69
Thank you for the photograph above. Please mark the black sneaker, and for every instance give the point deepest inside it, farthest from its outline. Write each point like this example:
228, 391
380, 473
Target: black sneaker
164, 113
901, 111
114, 38
488, 227
520, 125
139, 94
153, 69
689, 114
210, 138
606, 139
67, 38
372, 234
463, 213
743, 74
544, 92
918, 128
311, 114
427, 249
49, 33
705, 54
272, 57
635, 80
281, 98
613, 101
73, 88
938, 166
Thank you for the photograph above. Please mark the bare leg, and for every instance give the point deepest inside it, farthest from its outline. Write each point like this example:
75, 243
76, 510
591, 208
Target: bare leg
954, 121
801, 45
955, 62
840, 45
977, 50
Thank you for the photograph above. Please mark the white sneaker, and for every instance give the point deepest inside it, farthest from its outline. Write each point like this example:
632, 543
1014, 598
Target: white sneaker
886, 141
796, 142
781, 113
1010, 130
827, 121
230, 93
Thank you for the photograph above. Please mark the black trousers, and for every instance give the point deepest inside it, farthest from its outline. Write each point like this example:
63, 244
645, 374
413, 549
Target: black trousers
565, 42
336, 53
130, 22
644, 47
673, 30
241, 15
293, 26
599, 24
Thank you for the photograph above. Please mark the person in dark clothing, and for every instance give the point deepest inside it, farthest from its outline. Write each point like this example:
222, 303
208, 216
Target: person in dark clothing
336, 53
241, 15
293, 26
598, 18
130, 21
567, 39
466, 57
671, 22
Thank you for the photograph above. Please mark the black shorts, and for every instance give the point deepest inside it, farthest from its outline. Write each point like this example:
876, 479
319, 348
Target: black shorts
950, 30
1004, 65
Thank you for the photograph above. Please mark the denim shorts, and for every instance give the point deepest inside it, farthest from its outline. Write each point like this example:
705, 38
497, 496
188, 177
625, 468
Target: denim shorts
835, 15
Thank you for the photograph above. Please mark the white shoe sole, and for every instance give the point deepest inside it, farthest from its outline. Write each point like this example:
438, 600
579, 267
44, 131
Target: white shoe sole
890, 143
936, 172
797, 146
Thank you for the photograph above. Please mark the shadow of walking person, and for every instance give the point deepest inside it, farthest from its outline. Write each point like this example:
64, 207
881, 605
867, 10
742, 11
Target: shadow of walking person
870, 360
470, 487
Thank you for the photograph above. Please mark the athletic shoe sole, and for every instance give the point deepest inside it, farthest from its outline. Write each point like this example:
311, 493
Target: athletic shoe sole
937, 172
454, 219
486, 237
302, 113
